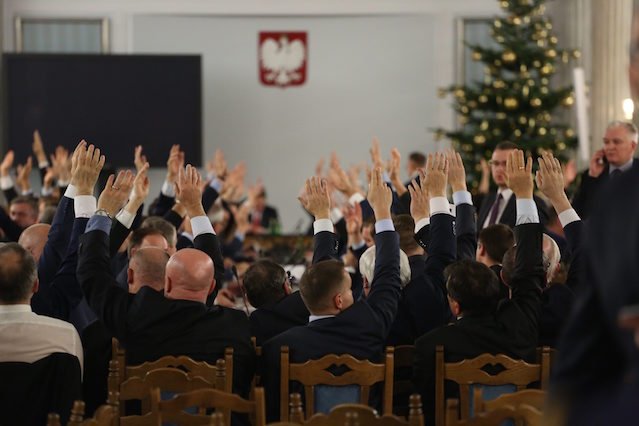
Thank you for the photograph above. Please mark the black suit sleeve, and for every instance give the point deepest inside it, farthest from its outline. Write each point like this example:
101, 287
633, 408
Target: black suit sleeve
10, 194
55, 248
325, 246
209, 196
118, 235
587, 192
173, 218
423, 237
466, 231
573, 232
210, 244
162, 206
109, 302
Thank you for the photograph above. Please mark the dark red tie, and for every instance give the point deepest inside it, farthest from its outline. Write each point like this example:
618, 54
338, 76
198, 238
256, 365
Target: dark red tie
494, 211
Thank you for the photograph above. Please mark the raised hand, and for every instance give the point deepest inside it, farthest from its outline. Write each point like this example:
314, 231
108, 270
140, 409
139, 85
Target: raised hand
419, 199
376, 155
116, 192
436, 174
61, 164
141, 185
394, 167
23, 173
379, 195
484, 183
597, 163
38, 147
86, 164
188, 191
353, 218
315, 199
570, 173
49, 177
550, 181
456, 171
519, 174
341, 181
217, 165
139, 159
7, 163
174, 164
241, 216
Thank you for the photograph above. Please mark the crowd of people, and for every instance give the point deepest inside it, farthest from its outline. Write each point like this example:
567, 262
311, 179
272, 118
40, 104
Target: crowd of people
503, 271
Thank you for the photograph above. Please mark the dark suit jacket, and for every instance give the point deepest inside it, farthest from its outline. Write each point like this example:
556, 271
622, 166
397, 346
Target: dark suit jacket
275, 318
509, 216
269, 214
151, 326
589, 190
55, 248
511, 330
361, 330
423, 305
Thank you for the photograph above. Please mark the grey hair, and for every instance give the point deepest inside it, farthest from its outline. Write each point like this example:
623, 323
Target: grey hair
367, 266
630, 128
551, 257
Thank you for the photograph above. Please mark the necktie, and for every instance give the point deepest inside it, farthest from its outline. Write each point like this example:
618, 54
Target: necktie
615, 174
494, 211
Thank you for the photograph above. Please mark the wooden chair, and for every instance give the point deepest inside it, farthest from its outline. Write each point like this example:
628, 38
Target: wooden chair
53, 419
162, 379
356, 414
172, 410
314, 372
103, 416
402, 386
521, 414
532, 397
468, 373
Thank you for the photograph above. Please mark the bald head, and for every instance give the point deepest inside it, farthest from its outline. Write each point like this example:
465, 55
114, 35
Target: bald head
189, 276
146, 268
34, 238
551, 257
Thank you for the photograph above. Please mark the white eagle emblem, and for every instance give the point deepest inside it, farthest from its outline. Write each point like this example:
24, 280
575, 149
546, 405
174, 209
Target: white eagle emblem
282, 59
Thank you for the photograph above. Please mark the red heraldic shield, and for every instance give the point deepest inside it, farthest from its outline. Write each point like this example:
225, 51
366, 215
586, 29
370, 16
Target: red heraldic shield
282, 58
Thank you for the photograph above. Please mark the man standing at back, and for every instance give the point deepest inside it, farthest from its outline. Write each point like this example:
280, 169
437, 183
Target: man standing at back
615, 158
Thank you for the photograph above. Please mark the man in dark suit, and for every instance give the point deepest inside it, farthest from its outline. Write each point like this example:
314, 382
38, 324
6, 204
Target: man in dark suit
277, 307
499, 205
484, 325
152, 324
337, 324
263, 217
616, 157
493, 242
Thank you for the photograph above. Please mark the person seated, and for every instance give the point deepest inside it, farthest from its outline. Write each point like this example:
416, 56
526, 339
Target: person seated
146, 268
278, 308
34, 238
263, 217
40, 357
140, 238
484, 324
492, 244
23, 212
151, 324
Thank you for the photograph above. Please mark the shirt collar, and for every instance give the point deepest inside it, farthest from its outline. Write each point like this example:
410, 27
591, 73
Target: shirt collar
505, 193
15, 308
624, 167
312, 318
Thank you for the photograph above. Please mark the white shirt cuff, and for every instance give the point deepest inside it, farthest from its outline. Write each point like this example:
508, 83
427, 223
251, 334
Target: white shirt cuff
6, 182
84, 205
43, 164
527, 211
439, 205
168, 190
125, 218
63, 183
384, 225
356, 198
71, 191
322, 225
216, 184
336, 215
26, 192
358, 246
201, 225
567, 217
462, 197
421, 223
46, 191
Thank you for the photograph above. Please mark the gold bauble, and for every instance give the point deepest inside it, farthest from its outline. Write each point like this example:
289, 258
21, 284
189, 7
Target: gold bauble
459, 93
523, 119
479, 139
497, 23
500, 39
508, 56
561, 146
463, 120
543, 34
553, 40
536, 64
500, 116
499, 84
497, 132
511, 103
541, 43
482, 99
523, 68
467, 147
544, 90
526, 20
531, 82
570, 133
497, 63
535, 102
517, 133
542, 131
547, 69
544, 81
565, 57
504, 4
517, 20
551, 53
484, 125
568, 101
547, 117
439, 135
525, 91
576, 54
531, 122
548, 25
442, 92
464, 110
476, 55
472, 104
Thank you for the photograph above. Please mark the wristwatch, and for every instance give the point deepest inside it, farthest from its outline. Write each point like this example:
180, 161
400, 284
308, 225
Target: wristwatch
102, 212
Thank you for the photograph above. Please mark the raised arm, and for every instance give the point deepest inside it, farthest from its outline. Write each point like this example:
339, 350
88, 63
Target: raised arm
420, 209
317, 202
465, 221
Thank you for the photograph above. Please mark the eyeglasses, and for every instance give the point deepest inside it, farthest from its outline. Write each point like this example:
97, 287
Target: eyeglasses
493, 163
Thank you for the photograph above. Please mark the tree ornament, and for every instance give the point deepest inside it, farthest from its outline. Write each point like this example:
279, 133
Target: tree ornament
541, 43
544, 90
544, 81
504, 4
547, 117
576, 54
472, 104
517, 20
496, 132
499, 100
459, 93
500, 116
499, 84
561, 146
570, 133
531, 123
500, 39
497, 23
553, 40
464, 110
548, 25
535, 102
484, 125
442, 92
463, 120
551, 53
497, 63
509, 56
476, 55
482, 99
542, 131
565, 57
525, 91
568, 101
479, 139
523, 119
511, 103
536, 64
547, 69
439, 134
517, 133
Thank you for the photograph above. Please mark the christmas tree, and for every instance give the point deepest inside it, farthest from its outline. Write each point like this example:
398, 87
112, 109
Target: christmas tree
515, 101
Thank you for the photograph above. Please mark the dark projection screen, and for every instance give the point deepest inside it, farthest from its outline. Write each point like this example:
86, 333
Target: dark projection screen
113, 101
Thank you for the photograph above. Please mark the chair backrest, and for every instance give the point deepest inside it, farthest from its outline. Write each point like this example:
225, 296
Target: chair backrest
515, 375
167, 380
533, 397
310, 374
103, 416
522, 414
402, 385
357, 414
172, 410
